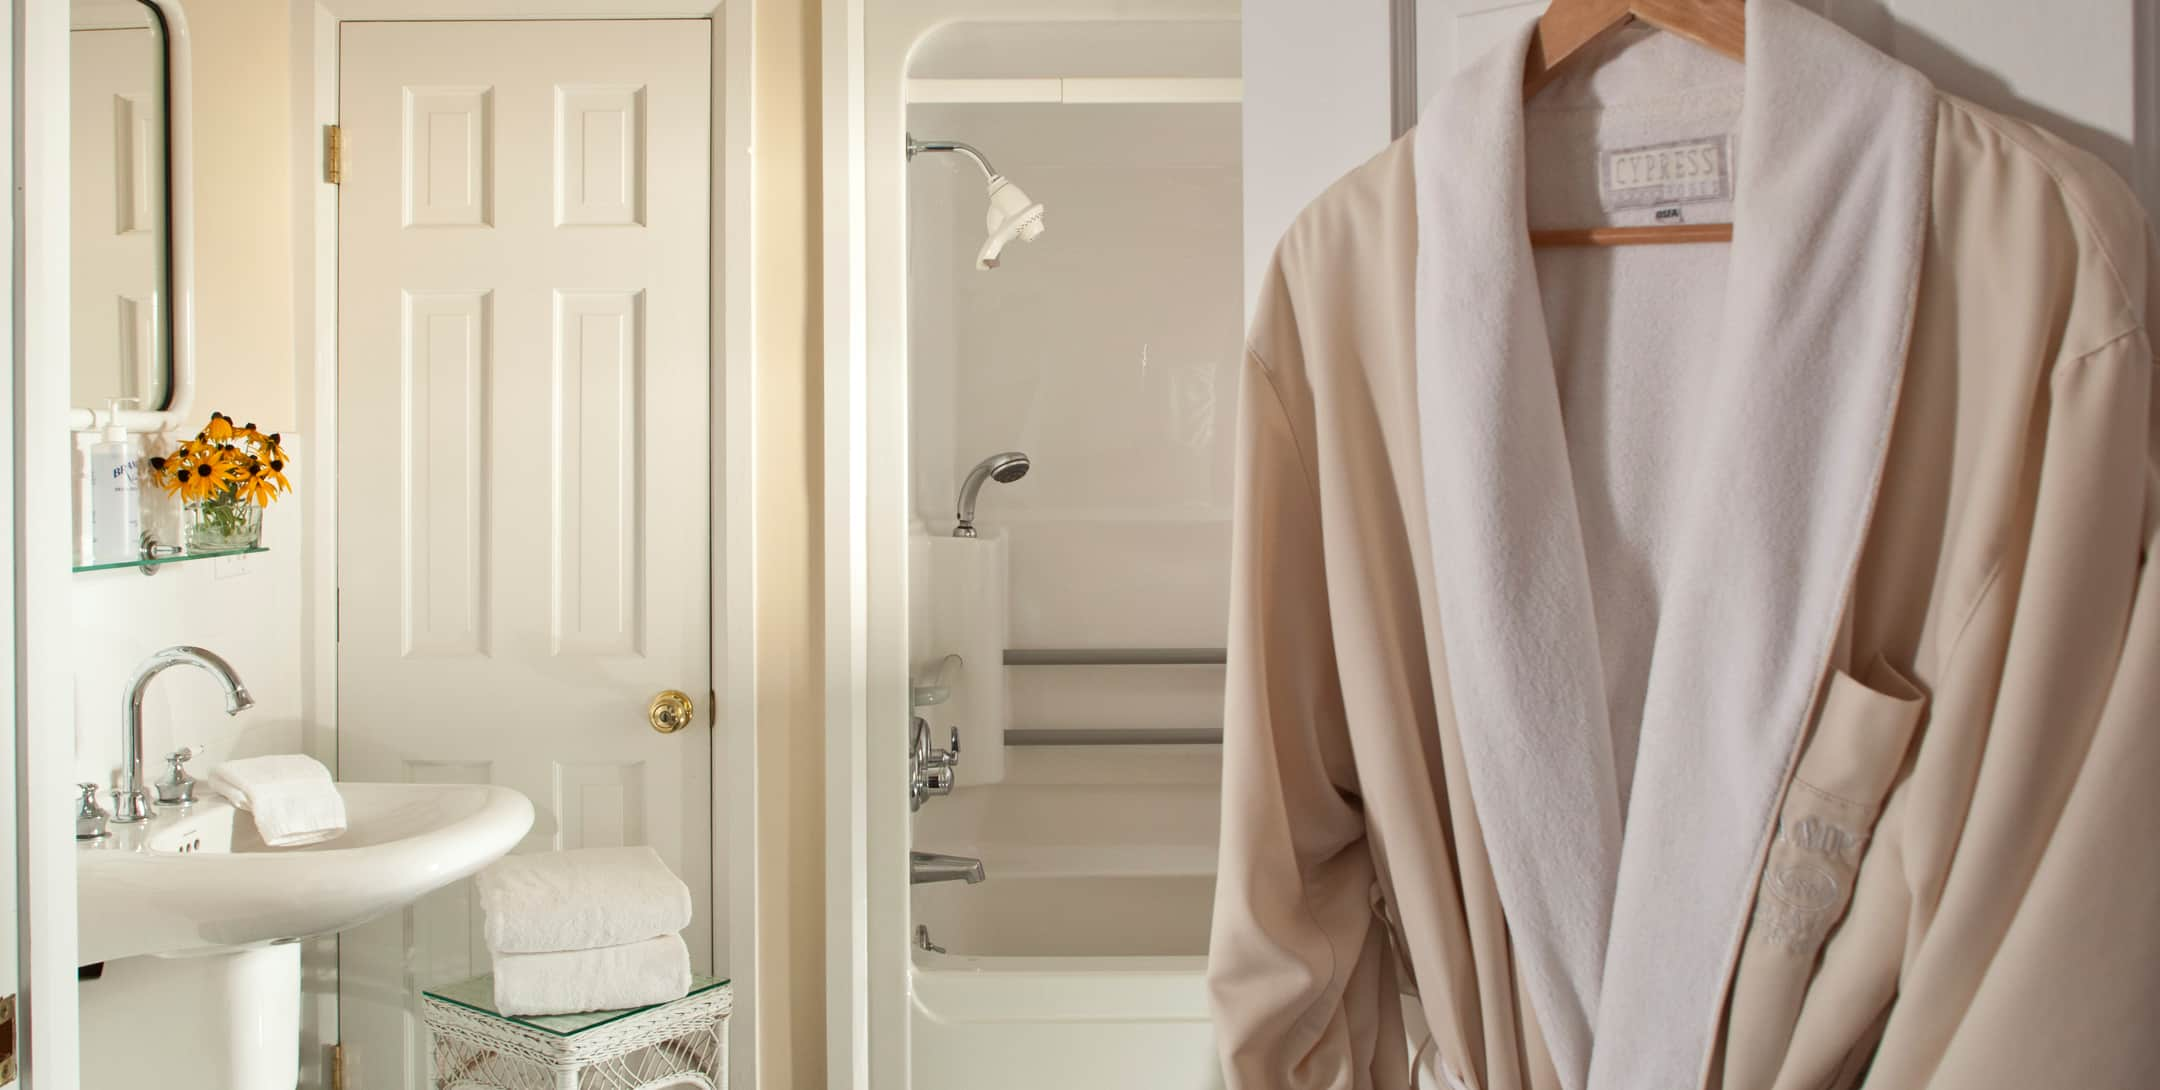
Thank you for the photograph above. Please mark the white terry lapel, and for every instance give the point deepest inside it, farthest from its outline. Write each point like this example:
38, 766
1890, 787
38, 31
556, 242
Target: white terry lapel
1513, 584
1836, 151
1626, 946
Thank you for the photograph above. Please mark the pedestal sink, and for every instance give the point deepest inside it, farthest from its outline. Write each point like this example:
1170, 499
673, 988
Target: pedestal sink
219, 911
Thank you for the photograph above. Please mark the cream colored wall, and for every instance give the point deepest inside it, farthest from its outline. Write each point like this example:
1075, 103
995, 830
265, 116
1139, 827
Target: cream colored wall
791, 752
244, 359
244, 366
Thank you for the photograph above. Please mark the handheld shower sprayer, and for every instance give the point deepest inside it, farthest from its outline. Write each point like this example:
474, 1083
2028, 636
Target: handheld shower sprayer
1011, 214
1003, 468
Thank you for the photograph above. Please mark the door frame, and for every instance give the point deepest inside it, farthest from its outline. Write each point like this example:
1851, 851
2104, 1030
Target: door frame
732, 610
37, 461
864, 61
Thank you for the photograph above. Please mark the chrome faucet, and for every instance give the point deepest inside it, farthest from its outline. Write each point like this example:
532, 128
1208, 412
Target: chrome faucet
930, 769
934, 867
131, 802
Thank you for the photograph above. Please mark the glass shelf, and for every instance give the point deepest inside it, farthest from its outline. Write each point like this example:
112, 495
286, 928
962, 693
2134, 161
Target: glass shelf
158, 562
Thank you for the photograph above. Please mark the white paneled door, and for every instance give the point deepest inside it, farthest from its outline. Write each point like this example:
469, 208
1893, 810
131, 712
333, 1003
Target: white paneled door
523, 414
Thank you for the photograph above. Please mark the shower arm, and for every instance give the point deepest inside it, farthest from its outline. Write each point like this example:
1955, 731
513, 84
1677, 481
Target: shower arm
916, 147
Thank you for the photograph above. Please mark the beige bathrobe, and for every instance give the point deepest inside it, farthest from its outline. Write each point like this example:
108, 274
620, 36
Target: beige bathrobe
1699, 666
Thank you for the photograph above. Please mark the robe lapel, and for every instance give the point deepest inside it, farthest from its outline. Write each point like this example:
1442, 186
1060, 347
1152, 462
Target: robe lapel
1512, 581
1625, 946
1835, 154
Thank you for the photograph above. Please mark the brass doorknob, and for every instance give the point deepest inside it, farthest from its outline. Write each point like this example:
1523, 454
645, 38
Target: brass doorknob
671, 711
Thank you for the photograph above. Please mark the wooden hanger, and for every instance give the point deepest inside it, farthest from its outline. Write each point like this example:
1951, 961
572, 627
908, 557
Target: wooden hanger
1569, 26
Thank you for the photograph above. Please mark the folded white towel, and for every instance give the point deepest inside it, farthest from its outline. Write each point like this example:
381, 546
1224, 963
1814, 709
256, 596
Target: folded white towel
291, 796
581, 899
610, 978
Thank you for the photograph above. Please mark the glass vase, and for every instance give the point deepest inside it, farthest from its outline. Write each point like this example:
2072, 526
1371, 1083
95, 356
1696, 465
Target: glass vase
223, 524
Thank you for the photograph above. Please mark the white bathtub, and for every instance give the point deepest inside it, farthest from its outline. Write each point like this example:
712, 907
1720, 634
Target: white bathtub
1078, 964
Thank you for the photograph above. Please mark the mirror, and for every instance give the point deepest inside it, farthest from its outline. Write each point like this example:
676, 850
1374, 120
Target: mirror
121, 252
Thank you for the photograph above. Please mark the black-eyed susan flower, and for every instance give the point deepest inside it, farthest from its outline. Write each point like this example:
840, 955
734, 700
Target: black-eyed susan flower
275, 473
161, 474
203, 479
224, 464
256, 485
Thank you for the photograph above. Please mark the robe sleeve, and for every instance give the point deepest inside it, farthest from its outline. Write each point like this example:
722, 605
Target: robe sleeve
2040, 964
1299, 976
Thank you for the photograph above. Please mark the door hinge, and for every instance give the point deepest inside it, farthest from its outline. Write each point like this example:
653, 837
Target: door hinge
337, 1066
712, 708
333, 155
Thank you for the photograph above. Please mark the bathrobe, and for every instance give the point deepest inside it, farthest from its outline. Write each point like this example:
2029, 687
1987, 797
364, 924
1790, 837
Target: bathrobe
1711, 665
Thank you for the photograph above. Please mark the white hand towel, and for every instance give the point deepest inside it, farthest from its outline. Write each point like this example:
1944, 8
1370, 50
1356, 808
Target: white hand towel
291, 796
610, 978
581, 899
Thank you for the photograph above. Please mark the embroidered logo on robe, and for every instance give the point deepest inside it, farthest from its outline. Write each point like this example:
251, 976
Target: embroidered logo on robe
1807, 882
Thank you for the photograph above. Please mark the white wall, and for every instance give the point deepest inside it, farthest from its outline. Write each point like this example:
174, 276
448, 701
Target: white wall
2072, 68
244, 608
1317, 103
247, 609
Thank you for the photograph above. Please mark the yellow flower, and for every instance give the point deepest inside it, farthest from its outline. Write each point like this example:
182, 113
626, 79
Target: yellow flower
257, 485
240, 460
162, 473
265, 445
206, 473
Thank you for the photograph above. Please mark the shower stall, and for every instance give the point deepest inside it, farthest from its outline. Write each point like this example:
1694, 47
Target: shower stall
1074, 325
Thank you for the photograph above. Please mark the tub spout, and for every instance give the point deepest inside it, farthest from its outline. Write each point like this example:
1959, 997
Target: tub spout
933, 867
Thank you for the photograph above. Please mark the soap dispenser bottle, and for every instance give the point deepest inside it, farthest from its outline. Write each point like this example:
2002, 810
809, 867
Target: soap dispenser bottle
115, 464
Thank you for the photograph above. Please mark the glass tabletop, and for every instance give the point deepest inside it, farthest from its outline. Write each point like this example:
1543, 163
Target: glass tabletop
478, 994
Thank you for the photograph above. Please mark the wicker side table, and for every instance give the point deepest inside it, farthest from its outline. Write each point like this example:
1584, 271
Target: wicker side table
678, 1044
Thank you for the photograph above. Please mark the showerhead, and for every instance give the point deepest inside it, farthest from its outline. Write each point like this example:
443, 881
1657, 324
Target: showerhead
1011, 216
1010, 467
1003, 468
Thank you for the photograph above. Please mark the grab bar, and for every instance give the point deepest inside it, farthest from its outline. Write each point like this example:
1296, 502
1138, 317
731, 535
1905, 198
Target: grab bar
1113, 736
1116, 656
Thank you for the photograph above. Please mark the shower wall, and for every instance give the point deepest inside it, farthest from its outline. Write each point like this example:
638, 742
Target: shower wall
1107, 350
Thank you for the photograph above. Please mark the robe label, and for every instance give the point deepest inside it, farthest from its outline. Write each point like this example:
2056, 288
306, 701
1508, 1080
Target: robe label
1681, 172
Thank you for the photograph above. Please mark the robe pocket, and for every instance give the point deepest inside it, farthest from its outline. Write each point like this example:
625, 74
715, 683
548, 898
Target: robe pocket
1829, 812
1855, 752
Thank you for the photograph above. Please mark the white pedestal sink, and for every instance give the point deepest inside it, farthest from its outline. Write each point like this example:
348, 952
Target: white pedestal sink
199, 894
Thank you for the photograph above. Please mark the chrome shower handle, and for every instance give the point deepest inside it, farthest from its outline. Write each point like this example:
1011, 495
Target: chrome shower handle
949, 756
930, 769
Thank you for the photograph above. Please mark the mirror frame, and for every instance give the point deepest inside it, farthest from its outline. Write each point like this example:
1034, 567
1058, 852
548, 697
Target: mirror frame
180, 241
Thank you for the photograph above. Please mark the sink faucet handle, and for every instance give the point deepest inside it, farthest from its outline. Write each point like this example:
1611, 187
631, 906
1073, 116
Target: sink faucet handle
89, 816
177, 788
